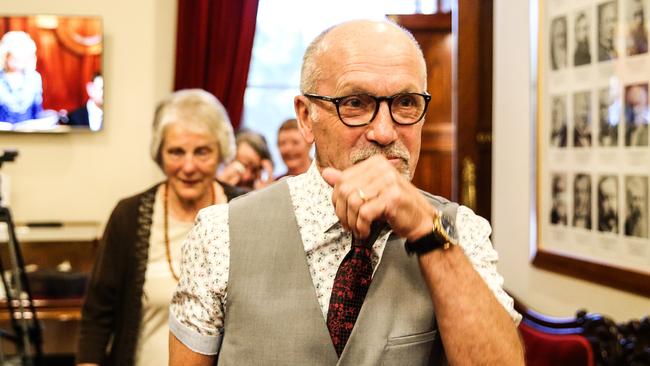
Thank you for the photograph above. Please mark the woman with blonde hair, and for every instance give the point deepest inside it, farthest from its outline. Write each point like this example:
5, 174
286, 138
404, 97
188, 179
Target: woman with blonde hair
124, 319
21, 86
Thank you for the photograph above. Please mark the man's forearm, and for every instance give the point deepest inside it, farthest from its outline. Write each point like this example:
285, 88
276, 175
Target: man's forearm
475, 328
180, 355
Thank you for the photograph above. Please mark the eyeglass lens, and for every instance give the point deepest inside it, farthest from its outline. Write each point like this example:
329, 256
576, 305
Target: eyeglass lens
405, 108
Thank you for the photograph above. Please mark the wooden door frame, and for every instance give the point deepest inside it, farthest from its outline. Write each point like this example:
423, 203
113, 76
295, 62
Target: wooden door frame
472, 27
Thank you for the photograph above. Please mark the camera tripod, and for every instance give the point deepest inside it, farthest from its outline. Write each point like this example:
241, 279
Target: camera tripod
26, 335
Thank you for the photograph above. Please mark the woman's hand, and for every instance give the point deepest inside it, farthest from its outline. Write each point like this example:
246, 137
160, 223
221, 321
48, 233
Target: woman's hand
232, 173
266, 175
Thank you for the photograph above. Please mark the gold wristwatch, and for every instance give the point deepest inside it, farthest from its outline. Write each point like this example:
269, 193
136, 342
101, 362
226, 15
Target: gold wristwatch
443, 235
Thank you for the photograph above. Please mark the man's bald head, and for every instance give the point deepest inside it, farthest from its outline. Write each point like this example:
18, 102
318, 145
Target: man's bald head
348, 36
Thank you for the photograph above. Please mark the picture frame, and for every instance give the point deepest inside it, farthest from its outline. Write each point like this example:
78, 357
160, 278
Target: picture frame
592, 168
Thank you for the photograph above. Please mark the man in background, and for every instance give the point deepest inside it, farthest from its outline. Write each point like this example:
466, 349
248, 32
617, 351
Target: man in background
90, 115
293, 147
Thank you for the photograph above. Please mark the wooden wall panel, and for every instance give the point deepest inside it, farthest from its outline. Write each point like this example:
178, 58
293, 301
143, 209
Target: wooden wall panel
435, 180
434, 170
474, 104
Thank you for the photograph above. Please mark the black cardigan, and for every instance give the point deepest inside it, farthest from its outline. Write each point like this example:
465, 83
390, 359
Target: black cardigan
112, 311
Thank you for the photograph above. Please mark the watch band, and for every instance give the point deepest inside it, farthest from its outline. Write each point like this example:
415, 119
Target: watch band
443, 235
427, 243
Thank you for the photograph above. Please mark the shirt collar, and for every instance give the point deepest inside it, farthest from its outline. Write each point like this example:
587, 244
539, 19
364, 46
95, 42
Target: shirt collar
316, 194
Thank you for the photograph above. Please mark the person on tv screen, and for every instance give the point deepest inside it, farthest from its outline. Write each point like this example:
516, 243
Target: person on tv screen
90, 114
21, 87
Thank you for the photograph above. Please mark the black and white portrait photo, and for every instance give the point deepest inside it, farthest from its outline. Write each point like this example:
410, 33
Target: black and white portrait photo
636, 206
559, 199
609, 111
558, 121
607, 25
582, 119
582, 201
636, 115
559, 43
582, 50
636, 38
608, 204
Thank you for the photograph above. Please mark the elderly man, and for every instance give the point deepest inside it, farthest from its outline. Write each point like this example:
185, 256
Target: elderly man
280, 276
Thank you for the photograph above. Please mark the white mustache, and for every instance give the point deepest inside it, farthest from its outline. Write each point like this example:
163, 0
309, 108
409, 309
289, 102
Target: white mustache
391, 151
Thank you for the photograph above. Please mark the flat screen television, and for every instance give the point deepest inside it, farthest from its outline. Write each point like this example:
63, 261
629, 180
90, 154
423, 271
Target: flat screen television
51, 73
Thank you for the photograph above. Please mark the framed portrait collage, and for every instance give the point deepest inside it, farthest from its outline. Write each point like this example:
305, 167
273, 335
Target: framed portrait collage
593, 157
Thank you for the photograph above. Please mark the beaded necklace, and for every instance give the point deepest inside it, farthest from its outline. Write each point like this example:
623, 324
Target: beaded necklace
166, 227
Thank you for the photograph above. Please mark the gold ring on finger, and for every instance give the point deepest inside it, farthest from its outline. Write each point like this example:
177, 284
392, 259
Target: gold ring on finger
362, 195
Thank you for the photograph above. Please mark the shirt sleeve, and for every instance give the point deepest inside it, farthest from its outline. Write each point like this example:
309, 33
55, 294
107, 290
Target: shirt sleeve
197, 306
474, 237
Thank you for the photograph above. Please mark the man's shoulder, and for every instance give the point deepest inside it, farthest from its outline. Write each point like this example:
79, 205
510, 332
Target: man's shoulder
435, 199
269, 192
463, 213
214, 213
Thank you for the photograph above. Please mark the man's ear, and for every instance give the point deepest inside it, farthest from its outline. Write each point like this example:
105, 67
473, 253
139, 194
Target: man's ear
301, 106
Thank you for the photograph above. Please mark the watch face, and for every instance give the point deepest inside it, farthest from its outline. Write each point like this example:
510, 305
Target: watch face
450, 229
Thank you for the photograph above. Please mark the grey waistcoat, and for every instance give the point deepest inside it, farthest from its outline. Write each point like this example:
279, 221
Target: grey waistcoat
272, 315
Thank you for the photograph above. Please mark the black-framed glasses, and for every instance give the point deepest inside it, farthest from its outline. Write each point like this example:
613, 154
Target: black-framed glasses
360, 109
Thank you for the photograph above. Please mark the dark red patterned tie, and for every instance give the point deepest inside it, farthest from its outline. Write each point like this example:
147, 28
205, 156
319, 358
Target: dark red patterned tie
350, 287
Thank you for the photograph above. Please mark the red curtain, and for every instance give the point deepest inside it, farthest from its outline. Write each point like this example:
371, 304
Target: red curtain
213, 49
